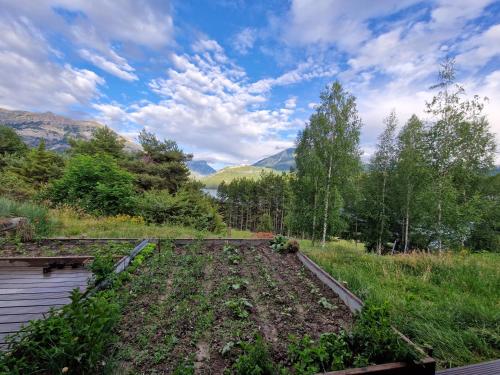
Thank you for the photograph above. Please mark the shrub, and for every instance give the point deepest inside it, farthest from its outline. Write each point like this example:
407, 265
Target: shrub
255, 359
102, 267
75, 338
96, 184
292, 246
188, 207
278, 243
37, 215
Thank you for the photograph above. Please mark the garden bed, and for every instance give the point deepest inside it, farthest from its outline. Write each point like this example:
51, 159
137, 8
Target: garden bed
196, 307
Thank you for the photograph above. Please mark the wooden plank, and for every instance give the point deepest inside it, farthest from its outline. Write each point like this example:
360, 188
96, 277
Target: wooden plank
42, 284
11, 327
20, 318
82, 288
34, 302
31, 271
13, 297
26, 310
485, 368
45, 281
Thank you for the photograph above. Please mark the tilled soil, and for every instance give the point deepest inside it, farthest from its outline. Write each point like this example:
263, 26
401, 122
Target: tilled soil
178, 317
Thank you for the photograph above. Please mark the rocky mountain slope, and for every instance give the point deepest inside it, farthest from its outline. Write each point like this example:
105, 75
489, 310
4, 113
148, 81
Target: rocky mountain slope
55, 129
200, 167
282, 161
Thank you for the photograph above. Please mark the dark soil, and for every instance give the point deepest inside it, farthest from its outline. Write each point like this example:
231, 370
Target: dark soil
9, 248
177, 317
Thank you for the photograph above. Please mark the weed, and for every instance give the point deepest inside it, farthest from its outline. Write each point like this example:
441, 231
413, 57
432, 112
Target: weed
102, 267
240, 307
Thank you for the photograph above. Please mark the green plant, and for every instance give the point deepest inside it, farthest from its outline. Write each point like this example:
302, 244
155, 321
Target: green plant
102, 267
278, 243
233, 254
372, 340
240, 307
330, 352
74, 337
37, 215
292, 246
255, 360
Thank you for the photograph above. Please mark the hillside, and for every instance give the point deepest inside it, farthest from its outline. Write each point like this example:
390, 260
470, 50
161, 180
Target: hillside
282, 161
230, 173
55, 129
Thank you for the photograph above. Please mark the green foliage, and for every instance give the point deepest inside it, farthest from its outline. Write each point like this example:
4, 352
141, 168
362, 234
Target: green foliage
240, 307
162, 165
187, 207
37, 215
103, 141
40, 166
96, 184
102, 267
255, 360
330, 353
10, 142
374, 339
258, 204
265, 223
74, 338
371, 341
438, 301
279, 243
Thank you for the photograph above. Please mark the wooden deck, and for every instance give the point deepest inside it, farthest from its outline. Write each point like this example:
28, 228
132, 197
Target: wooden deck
485, 368
27, 293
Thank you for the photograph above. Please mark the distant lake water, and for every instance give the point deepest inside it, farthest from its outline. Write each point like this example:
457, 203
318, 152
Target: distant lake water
212, 192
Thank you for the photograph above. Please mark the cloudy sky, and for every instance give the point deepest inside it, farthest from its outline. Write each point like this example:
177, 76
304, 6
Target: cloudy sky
233, 81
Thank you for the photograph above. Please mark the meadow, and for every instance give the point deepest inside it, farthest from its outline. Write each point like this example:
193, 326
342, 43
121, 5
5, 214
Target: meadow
448, 303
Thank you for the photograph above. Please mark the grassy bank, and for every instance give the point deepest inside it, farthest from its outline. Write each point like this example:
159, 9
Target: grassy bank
70, 223
449, 302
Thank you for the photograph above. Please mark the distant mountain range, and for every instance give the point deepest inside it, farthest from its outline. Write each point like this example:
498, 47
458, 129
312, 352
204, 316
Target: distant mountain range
200, 167
55, 129
282, 161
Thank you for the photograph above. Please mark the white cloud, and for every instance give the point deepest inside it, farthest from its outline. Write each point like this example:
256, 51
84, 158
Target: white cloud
244, 40
480, 49
30, 79
120, 69
213, 110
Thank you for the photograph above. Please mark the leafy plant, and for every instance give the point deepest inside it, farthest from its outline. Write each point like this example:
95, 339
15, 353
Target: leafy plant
102, 267
278, 243
255, 360
240, 307
74, 337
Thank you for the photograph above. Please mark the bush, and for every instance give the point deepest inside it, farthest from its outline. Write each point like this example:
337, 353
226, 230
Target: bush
188, 207
96, 184
255, 359
74, 338
37, 215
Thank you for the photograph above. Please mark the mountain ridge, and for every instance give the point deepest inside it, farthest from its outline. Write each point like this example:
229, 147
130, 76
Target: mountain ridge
54, 129
281, 161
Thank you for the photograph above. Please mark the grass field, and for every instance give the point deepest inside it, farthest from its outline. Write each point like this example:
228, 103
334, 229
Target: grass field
69, 223
230, 173
449, 302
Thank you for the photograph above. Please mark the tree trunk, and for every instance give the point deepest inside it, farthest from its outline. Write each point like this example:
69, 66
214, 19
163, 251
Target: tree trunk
407, 220
327, 196
382, 217
313, 235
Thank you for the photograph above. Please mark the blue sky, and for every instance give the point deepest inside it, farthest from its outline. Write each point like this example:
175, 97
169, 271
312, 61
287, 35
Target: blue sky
233, 81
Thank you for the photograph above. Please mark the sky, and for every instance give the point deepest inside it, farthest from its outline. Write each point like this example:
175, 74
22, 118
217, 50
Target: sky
234, 81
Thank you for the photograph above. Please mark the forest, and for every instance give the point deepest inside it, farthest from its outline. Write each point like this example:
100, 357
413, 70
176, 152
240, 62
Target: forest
429, 185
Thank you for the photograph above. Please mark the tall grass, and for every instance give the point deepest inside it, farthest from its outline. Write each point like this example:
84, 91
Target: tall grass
448, 302
37, 215
73, 223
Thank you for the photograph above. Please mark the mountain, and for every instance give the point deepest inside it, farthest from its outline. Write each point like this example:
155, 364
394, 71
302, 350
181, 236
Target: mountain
200, 167
282, 161
55, 129
230, 173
